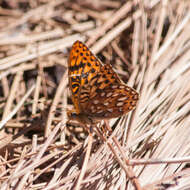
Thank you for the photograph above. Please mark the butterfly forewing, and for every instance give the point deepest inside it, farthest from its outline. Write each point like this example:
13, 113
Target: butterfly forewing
82, 67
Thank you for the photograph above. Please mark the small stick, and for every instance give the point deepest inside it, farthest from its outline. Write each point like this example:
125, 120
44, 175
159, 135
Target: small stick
82, 173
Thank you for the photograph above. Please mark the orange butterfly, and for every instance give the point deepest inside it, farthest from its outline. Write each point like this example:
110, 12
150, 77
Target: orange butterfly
97, 91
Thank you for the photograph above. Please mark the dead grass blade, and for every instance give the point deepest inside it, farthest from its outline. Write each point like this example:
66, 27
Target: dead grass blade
148, 45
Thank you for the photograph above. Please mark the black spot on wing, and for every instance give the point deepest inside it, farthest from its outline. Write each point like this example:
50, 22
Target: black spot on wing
75, 79
75, 88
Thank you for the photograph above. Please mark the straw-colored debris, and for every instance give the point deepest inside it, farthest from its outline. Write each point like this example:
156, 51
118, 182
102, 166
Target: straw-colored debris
148, 45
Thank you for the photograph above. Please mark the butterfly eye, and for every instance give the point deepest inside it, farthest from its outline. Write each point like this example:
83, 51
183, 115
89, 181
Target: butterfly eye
73, 115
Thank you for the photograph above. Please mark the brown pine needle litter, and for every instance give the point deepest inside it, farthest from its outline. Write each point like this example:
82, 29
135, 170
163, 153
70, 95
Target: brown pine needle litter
148, 45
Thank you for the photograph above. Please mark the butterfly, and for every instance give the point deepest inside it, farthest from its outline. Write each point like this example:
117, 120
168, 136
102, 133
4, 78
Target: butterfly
97, 91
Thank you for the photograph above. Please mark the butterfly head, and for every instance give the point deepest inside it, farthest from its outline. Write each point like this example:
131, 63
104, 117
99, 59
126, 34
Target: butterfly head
82, 118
